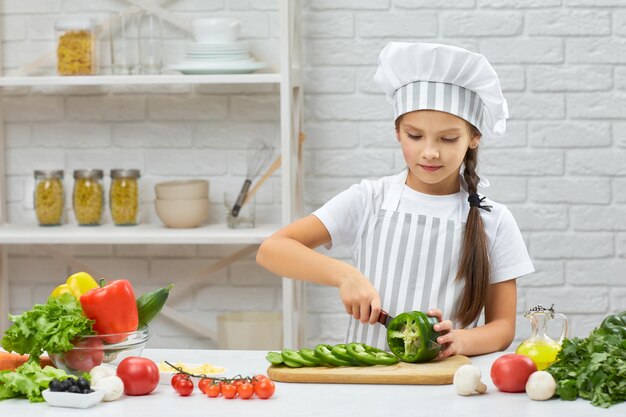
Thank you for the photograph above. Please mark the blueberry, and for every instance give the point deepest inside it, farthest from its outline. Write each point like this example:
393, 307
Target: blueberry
74, 389
87, 391
55, 385
66, 384
82, 383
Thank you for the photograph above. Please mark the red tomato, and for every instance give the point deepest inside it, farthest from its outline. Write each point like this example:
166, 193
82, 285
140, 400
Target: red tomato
258, 378
510, 373
87, 354
213, 390
229, 391
264, 388
176, 378
140, 375
245, 390
184, 387
203, 384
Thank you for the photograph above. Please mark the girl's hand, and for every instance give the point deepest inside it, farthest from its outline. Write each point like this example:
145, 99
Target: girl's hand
449, 339
360, 298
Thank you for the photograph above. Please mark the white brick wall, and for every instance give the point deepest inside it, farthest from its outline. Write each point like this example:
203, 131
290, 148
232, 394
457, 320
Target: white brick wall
561, 168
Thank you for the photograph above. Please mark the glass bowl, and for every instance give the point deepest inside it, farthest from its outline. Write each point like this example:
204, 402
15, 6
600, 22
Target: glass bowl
91, 351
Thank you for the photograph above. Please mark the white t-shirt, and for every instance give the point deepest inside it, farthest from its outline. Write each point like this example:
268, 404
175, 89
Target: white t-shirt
345, 216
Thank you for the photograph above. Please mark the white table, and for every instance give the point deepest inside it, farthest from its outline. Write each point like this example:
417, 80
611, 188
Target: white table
317, 399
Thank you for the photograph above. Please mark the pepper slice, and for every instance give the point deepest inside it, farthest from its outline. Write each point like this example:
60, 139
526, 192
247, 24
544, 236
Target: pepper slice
295, 357
370, 355
309, 355
113, 308
411, 337
341, 352
615, 324
324, 353
275, 358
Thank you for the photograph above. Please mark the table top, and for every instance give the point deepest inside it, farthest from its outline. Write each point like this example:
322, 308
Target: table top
317, 399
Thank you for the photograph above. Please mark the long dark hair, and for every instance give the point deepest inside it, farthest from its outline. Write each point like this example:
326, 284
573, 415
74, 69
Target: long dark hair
474, 266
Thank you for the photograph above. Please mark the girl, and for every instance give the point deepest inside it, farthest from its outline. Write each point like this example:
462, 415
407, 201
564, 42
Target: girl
422, 239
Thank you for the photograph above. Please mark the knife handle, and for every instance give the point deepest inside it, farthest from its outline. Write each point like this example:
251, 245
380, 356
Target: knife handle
382, 317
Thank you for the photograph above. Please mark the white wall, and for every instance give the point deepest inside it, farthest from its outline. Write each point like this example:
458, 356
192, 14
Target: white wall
561, 168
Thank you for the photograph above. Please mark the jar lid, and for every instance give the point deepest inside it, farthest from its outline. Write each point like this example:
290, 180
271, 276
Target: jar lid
125, 173
74, 23
46, 174
88, 173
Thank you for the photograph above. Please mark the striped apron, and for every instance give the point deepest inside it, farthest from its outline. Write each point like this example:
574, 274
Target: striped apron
411, 259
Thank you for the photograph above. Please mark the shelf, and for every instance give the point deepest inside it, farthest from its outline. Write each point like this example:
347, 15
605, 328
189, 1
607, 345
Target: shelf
141, 234
258, 78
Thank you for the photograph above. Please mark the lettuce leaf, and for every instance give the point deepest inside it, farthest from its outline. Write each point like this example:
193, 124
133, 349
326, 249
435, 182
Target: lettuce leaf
28, 381
47, 327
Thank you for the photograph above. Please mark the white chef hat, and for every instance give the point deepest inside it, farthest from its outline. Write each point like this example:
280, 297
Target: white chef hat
419, 76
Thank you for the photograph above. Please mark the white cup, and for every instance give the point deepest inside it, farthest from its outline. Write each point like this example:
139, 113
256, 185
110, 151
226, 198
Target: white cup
215, 30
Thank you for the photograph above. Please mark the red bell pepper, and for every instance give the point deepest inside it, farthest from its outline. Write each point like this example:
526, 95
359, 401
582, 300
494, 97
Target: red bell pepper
113, 308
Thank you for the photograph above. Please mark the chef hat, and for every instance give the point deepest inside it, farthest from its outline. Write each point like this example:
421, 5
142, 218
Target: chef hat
419, 76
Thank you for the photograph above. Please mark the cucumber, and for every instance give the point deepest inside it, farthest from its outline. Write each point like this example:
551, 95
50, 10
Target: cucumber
150, 304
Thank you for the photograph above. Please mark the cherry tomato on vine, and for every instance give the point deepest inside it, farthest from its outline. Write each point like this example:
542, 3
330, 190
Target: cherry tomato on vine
264, 388
203, 384
213, 390
229, 391
245, 390
176, 378
238, 382
258, 378
184, 386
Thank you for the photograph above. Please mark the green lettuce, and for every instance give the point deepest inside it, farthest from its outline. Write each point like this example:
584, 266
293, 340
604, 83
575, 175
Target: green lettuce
47, 327
28, 381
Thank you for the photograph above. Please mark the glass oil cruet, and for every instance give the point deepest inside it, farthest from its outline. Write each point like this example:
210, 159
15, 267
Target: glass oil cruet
540, 347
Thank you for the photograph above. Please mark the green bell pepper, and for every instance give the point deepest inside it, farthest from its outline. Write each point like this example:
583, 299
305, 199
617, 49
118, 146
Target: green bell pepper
275, 358
325, 354
341, 352
411, 337
309, 355
615, 324
370, 355
293, 356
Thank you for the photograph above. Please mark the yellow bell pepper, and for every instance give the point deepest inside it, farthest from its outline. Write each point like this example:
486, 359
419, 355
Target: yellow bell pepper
76, 284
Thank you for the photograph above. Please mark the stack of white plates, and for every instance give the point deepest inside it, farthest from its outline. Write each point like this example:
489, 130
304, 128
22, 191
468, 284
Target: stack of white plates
218, 58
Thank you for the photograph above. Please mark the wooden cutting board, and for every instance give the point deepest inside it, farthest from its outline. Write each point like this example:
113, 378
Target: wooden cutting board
429, 373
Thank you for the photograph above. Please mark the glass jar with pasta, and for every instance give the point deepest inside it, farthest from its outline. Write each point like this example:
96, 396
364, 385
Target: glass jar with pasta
49, 197
124, 196
88, 196
76, 46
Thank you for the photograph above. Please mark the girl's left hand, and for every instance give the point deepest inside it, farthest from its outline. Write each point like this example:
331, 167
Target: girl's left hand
448, 338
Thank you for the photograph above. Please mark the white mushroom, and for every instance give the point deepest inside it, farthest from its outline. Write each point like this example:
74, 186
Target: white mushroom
467, 380
100, 372
112, 385
540, 386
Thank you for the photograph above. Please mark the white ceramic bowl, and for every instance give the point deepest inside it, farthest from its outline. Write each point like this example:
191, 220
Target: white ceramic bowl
182, 214
182, 190
72, 400
215, 30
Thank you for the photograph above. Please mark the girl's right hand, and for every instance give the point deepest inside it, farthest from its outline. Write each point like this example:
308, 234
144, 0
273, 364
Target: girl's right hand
360, 298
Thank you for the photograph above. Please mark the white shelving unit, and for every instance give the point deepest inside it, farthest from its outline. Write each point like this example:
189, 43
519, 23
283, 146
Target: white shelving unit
289, 81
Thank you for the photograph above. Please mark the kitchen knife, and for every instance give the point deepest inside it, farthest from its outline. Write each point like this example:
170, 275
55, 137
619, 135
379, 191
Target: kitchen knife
384, 318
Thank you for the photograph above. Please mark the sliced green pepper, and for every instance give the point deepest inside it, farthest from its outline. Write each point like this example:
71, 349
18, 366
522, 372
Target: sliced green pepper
370, 354
325, 354
615, 324
341, 352
309, 355
411, 337
295, 357
275, 358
